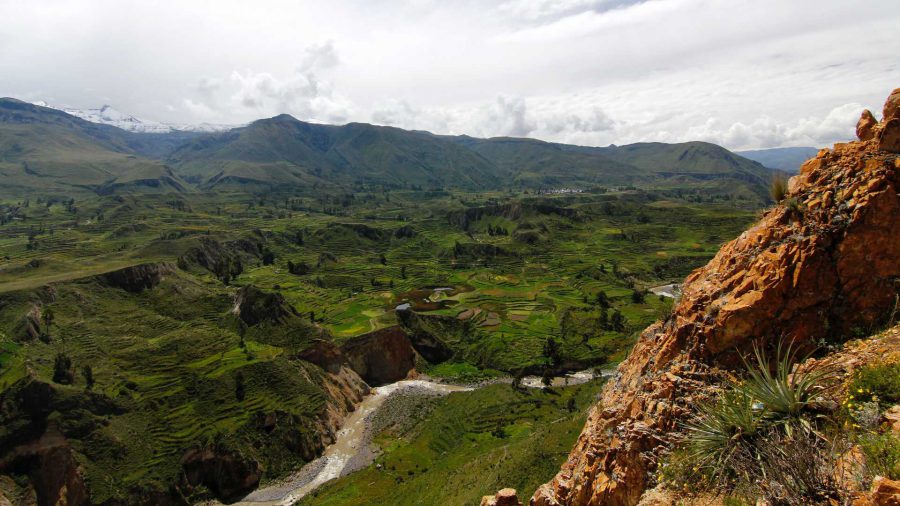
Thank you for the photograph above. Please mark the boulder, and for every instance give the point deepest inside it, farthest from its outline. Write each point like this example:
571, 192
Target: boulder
892, 106
865, 127
228, 475
138, 278
889, 137
505, 497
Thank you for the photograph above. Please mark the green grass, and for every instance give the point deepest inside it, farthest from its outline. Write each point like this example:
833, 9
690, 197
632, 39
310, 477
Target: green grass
471, 444
167, 356
882, 381
170, 354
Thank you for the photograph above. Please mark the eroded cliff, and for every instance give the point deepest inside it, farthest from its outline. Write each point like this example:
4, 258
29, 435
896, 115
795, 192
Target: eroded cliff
822, 265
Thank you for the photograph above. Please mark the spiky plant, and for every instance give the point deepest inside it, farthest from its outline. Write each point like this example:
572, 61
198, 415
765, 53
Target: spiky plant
783, 394
721, 431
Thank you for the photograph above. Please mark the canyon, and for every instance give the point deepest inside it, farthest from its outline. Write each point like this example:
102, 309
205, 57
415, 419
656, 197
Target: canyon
821, 265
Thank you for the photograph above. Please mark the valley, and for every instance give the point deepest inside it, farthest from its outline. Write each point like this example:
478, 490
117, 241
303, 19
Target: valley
222, 331
419, 253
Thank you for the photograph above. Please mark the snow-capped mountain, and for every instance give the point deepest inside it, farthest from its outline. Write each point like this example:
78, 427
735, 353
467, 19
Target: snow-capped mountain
107, 115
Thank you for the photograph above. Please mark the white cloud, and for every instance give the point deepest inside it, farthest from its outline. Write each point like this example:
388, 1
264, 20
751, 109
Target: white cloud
744, 73
301, 94
541, 9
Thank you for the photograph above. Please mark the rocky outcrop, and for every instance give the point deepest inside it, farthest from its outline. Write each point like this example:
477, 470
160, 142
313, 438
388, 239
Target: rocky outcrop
224, 260
429, 334
326, 355
227, 474
28, 327
504, 497
824, 262
36, 444
889, 137
892, 106
865, 128
138, 278
255, 306
380, 357
885, 492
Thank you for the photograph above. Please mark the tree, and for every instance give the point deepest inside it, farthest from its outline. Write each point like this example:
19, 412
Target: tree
268, 258
571, 406
517, 379
63, 372
617, 321
637, 296
603, 319
239, 391
602, 299
547, 378
382, 259
403, 271
88, 374
47, 318
551, 352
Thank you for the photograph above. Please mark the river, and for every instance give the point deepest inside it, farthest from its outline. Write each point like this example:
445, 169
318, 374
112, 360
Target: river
351, 451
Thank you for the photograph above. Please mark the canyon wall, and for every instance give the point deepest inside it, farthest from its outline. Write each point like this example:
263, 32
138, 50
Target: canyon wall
821, 266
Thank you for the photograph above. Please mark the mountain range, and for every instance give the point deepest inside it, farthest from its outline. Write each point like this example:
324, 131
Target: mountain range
52, 151
786, 159
107, 115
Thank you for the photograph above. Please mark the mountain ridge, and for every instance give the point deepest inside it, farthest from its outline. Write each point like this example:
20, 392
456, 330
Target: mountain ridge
284, 153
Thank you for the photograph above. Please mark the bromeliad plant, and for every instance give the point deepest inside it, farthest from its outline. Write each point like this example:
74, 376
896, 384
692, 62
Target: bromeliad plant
783, 394
728, 444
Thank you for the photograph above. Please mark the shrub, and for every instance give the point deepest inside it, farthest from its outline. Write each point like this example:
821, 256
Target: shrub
88, 373
779, 188
882, 381
720, 433
882, 453
798, 466
757, 438
63, 371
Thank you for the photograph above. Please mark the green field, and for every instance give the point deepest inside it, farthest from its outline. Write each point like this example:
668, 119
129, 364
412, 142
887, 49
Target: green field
519, 284
495, 276
468, 445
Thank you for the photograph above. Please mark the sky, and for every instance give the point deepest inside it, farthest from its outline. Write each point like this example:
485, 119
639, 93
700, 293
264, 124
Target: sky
741, 73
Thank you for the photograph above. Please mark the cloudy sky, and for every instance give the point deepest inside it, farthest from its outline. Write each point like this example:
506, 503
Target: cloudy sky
741, 73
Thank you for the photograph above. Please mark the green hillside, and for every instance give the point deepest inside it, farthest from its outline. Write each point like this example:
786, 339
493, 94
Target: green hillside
48, 152
284, 150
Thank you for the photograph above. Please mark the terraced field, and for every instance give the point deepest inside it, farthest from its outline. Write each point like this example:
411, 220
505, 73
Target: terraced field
517, 281
469, 442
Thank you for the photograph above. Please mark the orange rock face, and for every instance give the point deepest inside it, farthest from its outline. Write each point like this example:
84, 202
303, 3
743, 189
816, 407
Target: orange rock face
884, 492
505, 497
892, 106
821, 264
865, 127
889, 137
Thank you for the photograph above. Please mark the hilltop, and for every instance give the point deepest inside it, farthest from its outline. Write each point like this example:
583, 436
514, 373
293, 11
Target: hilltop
50, 152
